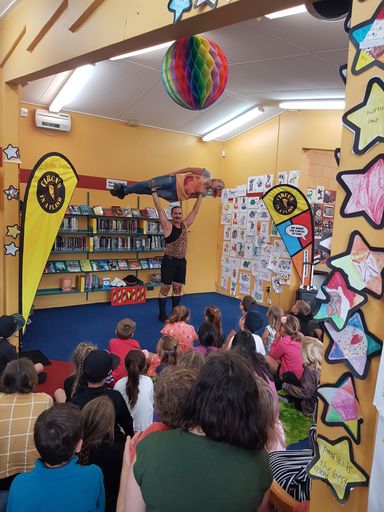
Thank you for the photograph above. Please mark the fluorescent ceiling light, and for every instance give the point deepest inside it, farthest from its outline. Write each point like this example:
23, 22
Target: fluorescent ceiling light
144, 50
313, 105
72, 87
287, 12
7, 7
233, 124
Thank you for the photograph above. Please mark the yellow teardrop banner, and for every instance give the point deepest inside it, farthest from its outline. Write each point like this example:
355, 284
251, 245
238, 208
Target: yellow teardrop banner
49, 191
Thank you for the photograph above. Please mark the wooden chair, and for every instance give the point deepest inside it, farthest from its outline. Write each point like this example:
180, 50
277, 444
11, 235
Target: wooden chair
280, 499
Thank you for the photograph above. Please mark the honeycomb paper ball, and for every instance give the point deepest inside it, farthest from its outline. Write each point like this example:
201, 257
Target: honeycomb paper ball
194, 72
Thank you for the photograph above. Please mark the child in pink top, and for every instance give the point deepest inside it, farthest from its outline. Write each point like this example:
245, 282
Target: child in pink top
123, 344
176, 326
287, 350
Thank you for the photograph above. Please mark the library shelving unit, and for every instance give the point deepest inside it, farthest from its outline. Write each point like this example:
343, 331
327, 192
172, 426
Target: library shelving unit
92, 249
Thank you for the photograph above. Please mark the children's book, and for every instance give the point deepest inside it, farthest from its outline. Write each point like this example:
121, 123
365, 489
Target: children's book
86, 210
134, 264
117, 211
144, 264
127, 212
136, 213
113, 265
152, 262
144, 213
103, 264
85, 265
123, 265
155, 278
73, 266
60, 266
74, 209
98, 210
49, 268
66, 284
95, 265
152, 213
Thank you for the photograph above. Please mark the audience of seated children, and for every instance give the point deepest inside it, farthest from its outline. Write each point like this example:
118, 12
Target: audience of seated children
223, 435
244, 343
207, 339
274, 315
212, 315
99, 447
9, 325
123, 344
19, 407
192, 360
97, 366
308, 326
176, 326
167, 353
304, 394
284, 359
57, 481
75, 382
137, 390
247, 303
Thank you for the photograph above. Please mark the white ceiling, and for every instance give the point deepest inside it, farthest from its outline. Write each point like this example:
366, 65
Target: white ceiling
269, 60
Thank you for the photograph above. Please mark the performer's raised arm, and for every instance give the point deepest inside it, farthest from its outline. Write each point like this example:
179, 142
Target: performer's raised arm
164, 222
198, 171
191, 217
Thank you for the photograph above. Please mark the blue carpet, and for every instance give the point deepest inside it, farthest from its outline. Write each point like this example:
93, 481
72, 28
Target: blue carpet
57, 331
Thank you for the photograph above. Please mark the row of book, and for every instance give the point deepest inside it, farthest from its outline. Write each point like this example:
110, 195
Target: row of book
70, 243
91, 282
114, 211
101, 265
128, 243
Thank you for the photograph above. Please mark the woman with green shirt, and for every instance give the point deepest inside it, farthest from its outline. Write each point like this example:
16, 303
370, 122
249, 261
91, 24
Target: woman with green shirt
217, 461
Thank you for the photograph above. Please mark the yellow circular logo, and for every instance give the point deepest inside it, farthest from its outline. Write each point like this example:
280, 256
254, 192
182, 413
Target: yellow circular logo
285, 203
50, 192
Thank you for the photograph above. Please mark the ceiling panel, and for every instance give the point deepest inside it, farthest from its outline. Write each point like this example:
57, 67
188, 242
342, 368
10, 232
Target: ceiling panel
338, 57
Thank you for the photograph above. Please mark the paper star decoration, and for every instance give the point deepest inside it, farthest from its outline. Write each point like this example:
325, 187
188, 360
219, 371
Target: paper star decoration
335, 465
179, 7
354, 345
11, 192
367, 38
11, 249
13, 231
362, 265
366, 120
211, 3
365, 192
341, 407
11, 152
340, 302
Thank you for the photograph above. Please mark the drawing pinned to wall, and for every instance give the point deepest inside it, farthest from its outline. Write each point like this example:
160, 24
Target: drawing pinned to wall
252, 202
311, 195
335, 465
268, 183
226, 218
245, 283
362, 265
241, 191
227, 232
366, 120
276, 285
282, 178
339, 303
274, 230
341, 406
319, 194
364, 192
294, 178
368, 39
243, 204
178, 8
224, 283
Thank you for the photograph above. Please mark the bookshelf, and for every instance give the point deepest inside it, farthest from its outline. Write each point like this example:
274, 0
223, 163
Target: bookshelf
114, 243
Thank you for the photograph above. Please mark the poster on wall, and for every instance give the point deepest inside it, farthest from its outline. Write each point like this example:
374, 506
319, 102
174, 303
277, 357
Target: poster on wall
292, 215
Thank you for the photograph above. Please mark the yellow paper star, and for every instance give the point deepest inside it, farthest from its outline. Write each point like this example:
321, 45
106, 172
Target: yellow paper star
334, 464
13, 231
366, 120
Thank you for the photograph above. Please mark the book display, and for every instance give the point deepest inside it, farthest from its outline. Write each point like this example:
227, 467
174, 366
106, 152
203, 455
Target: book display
92, 230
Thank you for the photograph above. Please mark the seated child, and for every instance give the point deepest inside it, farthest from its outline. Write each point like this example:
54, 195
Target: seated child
168, 350
212, 315
58, 482
304, 395
274, 315
207, 338
121, 345
284, 359
308, 326
176, 326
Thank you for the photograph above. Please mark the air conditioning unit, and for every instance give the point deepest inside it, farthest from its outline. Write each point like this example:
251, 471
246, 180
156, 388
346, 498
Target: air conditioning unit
52, 120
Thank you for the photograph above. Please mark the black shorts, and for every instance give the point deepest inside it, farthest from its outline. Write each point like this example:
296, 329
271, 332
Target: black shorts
173, 270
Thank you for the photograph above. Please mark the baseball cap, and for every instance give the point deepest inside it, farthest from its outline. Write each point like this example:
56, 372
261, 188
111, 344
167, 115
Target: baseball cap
98, 365
253, 321
9, 324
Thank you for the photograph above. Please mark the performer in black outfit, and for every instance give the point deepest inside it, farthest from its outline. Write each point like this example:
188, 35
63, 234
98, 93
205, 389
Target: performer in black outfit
174, 264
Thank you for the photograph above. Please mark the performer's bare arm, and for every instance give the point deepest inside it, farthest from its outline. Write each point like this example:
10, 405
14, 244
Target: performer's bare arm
191, 217
198, 171
164, 222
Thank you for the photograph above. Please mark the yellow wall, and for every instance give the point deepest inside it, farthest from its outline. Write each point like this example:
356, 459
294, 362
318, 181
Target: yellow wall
279, 145
106, 148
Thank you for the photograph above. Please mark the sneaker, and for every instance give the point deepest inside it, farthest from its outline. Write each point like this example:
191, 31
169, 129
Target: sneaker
118, 191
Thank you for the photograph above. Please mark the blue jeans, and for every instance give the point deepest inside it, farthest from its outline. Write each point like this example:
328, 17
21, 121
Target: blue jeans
3, 500
165, 187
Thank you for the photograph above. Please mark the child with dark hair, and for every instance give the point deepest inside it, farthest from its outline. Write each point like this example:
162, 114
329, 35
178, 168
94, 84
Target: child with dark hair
176, 326
207, 338
123, 344
247, 303
100, 448
212, 315
253, 323
57, 478
285, 359
137, 390
308, 326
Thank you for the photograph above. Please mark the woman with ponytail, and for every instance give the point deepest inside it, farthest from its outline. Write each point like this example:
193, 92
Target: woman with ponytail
213, 316
137, 390
99, 446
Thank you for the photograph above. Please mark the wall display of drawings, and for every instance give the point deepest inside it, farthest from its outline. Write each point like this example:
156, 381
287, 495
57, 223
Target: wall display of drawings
254, 256
322, 203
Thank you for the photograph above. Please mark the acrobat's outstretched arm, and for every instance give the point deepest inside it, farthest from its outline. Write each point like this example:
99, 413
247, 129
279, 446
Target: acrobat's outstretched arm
191, 217
164, 222
198, 171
